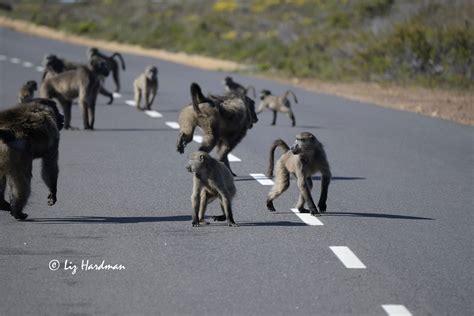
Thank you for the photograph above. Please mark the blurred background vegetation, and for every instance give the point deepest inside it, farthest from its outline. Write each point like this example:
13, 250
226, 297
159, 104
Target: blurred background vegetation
421, 42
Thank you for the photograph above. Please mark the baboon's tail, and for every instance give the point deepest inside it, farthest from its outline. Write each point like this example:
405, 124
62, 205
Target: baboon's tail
292, 93
121, 59
197, 97
254, 94
278, 143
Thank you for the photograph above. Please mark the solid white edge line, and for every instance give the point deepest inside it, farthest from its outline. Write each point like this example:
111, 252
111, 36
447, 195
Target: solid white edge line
233, 158
396, 310
347, 257
261, 178
130, 102
197, 138
173, 125
153, 113
307, 218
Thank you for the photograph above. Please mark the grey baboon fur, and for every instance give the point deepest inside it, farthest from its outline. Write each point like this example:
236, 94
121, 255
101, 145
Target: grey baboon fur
146, 86
277, 104
83, 83
27, 91
211, 180
305, 158
111, 63
224, 121
28, 131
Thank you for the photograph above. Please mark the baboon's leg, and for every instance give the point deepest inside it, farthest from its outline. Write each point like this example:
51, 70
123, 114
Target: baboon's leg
209, 140
196, 200
4, 205
138, 97
301, 200
115, 75
274, 117
20, 190
206, 199
84, 105
226, 205
224, 151
282, 182
220, 218
260, 108
292, 117
49, 173
325, 180
91, 114
153, 95
147, 98
66, 105
305, 191
185, 137
104, 91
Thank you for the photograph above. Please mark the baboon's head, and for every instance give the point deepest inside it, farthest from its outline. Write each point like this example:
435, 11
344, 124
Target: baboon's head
227, 81
99, 66
91, 52
197, 160
151, 72
264, 93
53, 63
303, 142
31, 85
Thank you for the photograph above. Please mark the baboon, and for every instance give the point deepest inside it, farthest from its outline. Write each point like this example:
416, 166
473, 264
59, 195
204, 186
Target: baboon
146, 85
27, 91
211, 180
83, 83
224, 121
232, 86
110, 62
54, 65
277, 104
28, 131
305, 158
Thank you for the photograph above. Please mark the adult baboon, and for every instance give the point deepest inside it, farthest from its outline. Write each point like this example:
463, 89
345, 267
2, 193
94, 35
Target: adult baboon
305, 158
146, 85
235, 87
211, 180
28, 131
111, 63
277, 104
27, 91
54, 65
224, 121
83, 83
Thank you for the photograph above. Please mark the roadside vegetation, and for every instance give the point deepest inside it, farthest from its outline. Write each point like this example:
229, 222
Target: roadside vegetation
426, 43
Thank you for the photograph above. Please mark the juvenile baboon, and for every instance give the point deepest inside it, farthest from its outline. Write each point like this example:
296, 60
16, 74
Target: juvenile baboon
211, 180
146, 85
224, 121
83, 83
277, 104
305, 158
235, 87
110, 62
28, 131
27, 91
54, 65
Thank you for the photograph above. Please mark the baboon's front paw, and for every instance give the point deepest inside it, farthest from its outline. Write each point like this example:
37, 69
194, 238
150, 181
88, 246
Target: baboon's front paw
20, 216
322, 207
270, 206
219, 218
180, 148
233, 224
51, 199
303, 210
203, 222
314, 212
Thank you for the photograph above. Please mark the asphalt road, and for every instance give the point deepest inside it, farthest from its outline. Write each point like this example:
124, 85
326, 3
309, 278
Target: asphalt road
401, 200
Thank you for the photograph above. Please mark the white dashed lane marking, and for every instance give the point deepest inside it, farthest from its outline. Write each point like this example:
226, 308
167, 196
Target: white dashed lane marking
261, 178
27, 64
130, 102
233, 158
3, 57
396, 310
307, 218
173, 125
117, 95
197, 138
15, 60
39, 69
347, 257
153, 114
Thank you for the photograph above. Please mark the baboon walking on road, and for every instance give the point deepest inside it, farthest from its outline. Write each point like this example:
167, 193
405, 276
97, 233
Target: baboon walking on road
111, 63
277, 104
305, 158
27, 132
83, 83
146, 86
211, 180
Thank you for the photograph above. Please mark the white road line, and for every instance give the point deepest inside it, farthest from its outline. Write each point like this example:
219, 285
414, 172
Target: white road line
3, 57
130, 102
153, 114
117, 95
173, 125
197, 139
396, 310
307, 218
39, 69
233, 158
27, 64
261, 178
15, 60
348, 258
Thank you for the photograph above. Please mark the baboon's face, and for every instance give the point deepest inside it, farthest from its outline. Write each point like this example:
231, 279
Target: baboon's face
264, 93
93, 51
303, 141
53, 63
32, 85
196, 161
151, 73
228, 81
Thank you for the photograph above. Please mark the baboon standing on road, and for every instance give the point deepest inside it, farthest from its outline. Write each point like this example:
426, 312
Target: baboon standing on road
211, 180
277, 104
146, 85
305, 158
110, 62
